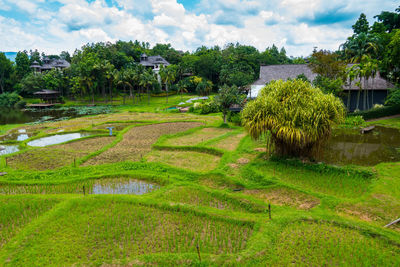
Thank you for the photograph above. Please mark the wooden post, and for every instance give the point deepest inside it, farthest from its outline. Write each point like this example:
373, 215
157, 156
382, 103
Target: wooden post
84, 190
269, 211
198, 251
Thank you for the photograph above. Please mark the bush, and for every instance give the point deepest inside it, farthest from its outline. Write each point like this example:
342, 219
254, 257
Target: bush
393, 99
9, 100
20, 104
377, 113
353, 121
234, 117
209, 107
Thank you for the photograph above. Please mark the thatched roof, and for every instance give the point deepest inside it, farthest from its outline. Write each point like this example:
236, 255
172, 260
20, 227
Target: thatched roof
47, 92
150, 61
284, 72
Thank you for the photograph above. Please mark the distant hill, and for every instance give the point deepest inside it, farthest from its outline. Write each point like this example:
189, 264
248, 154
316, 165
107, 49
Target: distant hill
11, 55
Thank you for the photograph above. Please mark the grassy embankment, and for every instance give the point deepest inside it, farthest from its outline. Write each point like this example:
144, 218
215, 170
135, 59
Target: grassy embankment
215, 187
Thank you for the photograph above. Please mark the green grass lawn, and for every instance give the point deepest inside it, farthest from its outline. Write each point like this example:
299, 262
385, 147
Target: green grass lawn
393, 122
190, 191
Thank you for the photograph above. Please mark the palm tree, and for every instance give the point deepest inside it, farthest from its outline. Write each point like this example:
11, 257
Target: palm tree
168, 75
182, 87
123, 79
147, 79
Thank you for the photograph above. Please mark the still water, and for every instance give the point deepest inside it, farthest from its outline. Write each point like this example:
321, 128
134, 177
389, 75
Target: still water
351, 147
57, 139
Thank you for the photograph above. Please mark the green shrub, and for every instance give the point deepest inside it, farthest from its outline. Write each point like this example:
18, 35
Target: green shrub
393, 99
377, 113
8, 100
353, 121
20, 104
209, 107
234, 117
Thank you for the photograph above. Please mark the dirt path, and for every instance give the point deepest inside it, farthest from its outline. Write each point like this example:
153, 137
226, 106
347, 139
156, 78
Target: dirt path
385, 118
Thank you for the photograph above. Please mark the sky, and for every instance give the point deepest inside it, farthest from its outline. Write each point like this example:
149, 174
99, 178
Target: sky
52, 26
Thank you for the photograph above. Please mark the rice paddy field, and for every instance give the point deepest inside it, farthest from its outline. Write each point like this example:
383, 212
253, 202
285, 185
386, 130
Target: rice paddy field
173, 189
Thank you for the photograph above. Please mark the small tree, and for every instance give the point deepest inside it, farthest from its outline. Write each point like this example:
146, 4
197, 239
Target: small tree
228, 96
296, 116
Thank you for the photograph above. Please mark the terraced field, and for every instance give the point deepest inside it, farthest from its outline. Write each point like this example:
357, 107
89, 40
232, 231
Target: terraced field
181, 190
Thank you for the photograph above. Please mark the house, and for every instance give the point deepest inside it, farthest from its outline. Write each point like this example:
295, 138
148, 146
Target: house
375, 90
49, 64
153, 62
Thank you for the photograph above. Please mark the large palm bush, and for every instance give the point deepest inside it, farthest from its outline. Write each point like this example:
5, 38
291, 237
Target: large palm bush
296, 116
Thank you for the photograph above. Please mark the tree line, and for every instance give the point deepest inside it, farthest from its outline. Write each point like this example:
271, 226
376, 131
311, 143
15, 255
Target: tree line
108, 69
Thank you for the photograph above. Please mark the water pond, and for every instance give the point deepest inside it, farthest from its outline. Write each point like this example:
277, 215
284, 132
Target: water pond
17, 116
57, 139
18, 135
351, 147
93, 186
8, 149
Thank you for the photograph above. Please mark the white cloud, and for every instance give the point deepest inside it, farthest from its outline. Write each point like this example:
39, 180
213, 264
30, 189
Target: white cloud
296, 24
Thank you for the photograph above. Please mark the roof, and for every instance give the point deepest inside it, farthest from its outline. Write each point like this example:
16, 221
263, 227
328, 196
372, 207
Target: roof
46, 92
284, 72
52, 63
153, 60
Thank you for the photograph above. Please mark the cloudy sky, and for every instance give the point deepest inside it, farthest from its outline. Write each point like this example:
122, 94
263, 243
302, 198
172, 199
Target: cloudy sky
56, 25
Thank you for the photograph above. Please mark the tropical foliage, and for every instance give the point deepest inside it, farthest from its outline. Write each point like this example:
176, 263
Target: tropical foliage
297, 116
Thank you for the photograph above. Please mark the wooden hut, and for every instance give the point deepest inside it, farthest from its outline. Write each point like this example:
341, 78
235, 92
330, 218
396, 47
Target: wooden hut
48, 97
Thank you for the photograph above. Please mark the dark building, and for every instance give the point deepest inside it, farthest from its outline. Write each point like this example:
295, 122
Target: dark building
49, 64
375, 90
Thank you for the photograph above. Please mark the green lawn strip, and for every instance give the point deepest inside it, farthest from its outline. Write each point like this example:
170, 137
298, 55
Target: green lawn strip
102, 229
393, 122
68, 174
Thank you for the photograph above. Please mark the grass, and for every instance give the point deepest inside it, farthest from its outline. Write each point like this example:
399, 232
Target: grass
18, 211
194, 161
230, 143
200, 197
197, 137
307, 243
285, 196
393, 122
341, 184
137, 142
103, 185
57, 156
190, 181
105, 230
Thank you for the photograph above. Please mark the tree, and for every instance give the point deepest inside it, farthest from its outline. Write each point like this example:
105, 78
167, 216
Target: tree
228, 96
327, 64
6, 69
147, 80
204, 87
168, 76
22, 64
391, 20
297, 116
362, 25
182, 87
32, 83
66, 56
